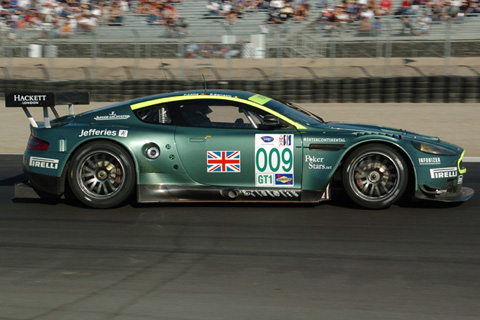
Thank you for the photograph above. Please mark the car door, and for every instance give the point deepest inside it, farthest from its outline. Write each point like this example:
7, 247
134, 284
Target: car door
235, 148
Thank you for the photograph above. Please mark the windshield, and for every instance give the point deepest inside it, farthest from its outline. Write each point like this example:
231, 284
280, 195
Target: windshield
296, 113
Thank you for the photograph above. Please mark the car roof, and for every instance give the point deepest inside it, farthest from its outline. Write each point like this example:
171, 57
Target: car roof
211, 92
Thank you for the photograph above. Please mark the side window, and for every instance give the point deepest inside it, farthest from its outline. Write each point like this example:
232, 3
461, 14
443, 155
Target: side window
196, 114
231, 116
157, 114
222, 114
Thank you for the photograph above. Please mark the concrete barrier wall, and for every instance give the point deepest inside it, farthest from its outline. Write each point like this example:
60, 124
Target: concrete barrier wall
439, 89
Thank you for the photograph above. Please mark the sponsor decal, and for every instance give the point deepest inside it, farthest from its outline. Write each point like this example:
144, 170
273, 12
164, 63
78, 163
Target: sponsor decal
223, 161
29, 100
285, 140
283, 179
112, 116
439, 173
267, 139
46, 163
209, 94
460, 179
274, 160
429, 161
316, 163
270, 193
325, 140
258, 98
222, 95
103, 132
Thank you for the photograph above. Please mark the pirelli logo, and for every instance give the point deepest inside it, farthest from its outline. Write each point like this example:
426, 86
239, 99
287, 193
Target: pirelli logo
440, 173
43, 163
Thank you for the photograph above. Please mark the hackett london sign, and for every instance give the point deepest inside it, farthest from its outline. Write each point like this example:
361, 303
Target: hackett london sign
29, 100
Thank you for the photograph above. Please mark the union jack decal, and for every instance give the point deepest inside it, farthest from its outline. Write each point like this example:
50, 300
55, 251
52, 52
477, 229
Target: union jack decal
223, 161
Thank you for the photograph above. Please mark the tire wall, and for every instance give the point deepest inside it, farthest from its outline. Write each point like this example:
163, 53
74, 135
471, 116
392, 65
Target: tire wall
435, 89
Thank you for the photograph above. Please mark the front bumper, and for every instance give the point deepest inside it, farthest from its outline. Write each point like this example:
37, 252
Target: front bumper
459, 195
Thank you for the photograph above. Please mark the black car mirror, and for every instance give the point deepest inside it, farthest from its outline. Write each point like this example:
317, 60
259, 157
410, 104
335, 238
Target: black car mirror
271, 121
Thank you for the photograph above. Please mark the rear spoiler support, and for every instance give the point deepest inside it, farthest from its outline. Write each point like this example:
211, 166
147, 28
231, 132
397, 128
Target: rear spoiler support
45, 100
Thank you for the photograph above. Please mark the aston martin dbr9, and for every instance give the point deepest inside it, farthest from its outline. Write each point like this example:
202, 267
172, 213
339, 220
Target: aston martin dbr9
219, 145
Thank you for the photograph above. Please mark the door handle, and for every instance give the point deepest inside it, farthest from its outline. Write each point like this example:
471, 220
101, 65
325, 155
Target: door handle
199, 139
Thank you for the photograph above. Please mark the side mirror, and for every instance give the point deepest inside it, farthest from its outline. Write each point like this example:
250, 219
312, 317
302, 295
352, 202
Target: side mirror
271, 121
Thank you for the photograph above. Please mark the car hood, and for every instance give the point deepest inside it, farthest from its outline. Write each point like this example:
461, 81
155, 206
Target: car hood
376, 129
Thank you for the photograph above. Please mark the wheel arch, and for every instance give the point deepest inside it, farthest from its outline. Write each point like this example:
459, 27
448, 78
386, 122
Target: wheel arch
412, 176
85, 142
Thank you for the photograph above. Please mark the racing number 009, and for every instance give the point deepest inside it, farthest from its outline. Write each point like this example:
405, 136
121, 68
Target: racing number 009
273, 160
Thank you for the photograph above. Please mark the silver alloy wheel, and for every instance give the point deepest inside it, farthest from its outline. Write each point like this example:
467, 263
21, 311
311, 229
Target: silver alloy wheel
374, 176
101, 175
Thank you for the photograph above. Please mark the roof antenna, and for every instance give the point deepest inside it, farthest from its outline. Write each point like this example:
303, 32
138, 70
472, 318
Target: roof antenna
205, 84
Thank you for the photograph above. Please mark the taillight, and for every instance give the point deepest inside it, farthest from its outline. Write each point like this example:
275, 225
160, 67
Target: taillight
37, 144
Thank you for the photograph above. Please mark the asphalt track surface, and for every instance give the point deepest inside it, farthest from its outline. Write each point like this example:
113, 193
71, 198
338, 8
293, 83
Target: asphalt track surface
417, 260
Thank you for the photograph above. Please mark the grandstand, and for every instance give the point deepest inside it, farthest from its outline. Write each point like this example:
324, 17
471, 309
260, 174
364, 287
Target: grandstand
135, 38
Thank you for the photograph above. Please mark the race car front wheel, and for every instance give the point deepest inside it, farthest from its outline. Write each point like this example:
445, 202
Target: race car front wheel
375, 176
102, 175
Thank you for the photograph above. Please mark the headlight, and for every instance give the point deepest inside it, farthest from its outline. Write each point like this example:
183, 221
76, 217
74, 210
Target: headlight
433, 149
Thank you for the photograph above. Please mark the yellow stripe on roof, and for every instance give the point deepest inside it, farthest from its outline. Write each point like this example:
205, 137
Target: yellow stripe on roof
257, 102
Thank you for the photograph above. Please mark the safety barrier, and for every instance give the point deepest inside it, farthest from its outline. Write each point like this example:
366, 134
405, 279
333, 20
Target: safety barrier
440, 89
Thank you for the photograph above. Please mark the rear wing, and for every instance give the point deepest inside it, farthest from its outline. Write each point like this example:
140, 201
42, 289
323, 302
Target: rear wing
45, 100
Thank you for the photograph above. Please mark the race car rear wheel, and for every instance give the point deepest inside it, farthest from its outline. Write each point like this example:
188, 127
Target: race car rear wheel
375, 176
102, 175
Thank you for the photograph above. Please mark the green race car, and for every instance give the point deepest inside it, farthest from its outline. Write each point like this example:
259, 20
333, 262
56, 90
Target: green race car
220, 145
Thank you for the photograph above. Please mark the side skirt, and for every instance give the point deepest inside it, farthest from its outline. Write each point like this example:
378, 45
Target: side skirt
193, 193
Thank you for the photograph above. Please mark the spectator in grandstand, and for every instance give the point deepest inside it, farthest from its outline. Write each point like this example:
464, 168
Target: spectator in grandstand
213, 8
225, 7
407, 27
377, 26
301, 12
364, 28
31, 19
207, 50
192, 50
65, 30
424, 24
286, 12
264, 27
274, 16
277, 4
181, 26
153, 11
99, 11
115, 14
386, 6
170, 28
231, 17
86, 23
367, 12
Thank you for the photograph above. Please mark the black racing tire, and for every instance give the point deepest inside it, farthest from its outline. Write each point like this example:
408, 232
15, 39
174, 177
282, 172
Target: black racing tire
375, 176
102, 175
